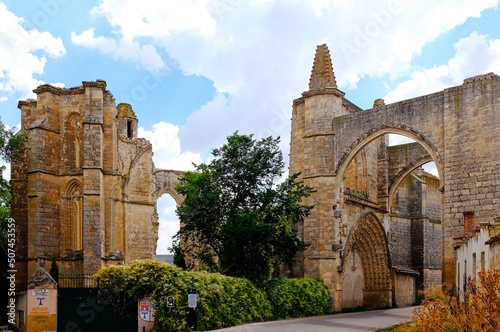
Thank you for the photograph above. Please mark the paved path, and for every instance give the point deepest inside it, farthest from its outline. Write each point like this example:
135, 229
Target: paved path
350, 322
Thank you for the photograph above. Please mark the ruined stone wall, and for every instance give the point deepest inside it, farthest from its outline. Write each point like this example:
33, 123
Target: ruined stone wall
472, 159
400, 239
405, 157
84, 189
409, 200
457, 128
433, 244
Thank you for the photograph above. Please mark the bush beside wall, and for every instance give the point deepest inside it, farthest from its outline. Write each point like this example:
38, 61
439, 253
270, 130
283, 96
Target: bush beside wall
222, 301
291, 298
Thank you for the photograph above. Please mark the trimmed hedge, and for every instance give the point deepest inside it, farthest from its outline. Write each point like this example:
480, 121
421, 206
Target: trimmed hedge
222, 301
292, 298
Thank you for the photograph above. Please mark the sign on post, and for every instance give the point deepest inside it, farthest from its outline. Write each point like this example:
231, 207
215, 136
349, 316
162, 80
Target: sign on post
147, 310
192, 298
170, 301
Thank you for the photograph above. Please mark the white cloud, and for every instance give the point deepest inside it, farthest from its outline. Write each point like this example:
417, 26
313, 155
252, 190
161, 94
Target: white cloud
431, 168
152, 17
125, 49
3, 99
474, 55
22, 55
167, 147
261, 52
399, 139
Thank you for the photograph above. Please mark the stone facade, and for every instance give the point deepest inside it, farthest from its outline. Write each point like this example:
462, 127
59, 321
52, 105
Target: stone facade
85, 189
400, 214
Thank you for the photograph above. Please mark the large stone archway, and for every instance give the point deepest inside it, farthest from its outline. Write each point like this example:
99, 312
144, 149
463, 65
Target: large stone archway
165, 183
367, 240
457, 128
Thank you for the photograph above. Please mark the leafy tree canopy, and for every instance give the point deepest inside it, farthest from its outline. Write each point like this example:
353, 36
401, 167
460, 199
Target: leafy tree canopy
235, 215
11, 145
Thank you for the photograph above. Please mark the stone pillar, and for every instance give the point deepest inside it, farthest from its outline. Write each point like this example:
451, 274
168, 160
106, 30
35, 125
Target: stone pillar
42, 168
312, 153
93, 186
383, 173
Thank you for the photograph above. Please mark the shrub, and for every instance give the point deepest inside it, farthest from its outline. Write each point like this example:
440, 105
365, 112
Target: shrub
479, 312
222, 301
292, 298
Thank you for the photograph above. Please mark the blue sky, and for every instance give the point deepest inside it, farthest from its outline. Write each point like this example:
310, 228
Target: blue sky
195, 71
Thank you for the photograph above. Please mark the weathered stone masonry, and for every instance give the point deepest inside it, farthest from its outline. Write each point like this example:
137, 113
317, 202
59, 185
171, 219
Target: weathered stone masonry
85, 189
342, 152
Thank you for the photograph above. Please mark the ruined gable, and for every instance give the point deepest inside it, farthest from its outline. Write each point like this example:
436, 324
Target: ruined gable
84, 190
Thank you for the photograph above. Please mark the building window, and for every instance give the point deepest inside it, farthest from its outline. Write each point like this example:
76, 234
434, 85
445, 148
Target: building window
474, 267
469, 223
483, 267
73, 224
130, 132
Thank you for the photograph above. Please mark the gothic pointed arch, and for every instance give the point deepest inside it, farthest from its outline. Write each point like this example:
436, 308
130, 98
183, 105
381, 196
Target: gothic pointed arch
73, 216
367, 239
360, 143
74, 140
113, 226
356, 177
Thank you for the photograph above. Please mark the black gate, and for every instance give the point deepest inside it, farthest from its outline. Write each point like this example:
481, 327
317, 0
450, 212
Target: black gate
84, 310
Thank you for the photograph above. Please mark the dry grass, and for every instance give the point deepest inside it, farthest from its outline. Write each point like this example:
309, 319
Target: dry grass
479, 312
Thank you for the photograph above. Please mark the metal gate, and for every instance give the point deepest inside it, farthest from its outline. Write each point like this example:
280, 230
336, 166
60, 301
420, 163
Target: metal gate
83, 310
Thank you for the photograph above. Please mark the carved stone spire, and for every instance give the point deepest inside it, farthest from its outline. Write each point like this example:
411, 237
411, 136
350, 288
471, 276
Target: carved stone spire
322, 72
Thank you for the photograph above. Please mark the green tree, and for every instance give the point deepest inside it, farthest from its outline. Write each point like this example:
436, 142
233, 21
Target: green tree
11, 145
236, 218
54, 269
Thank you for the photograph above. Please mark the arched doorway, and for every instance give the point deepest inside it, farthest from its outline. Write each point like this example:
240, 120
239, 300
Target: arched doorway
366, 262
407, 202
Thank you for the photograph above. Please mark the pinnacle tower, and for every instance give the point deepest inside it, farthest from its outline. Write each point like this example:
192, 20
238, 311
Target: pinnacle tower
322, 75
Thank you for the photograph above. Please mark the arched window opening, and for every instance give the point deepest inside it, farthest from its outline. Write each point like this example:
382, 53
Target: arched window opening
130, 132
74, 133
73, 223
168, 224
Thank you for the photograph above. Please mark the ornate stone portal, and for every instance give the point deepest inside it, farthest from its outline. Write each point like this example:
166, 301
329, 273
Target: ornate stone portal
85, 189
379, 220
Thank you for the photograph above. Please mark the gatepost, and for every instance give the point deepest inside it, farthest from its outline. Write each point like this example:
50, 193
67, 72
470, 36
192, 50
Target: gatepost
41, 302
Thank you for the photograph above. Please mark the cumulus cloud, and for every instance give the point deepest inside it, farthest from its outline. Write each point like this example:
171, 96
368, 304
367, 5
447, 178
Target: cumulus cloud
474, 55
259, 53
23, 54
167, 147
125, 49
